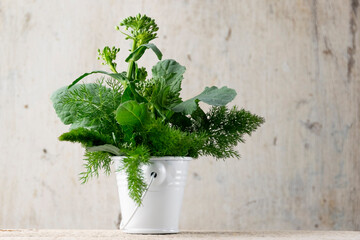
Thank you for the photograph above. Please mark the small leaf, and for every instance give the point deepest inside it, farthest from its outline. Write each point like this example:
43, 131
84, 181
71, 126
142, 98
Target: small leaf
132, 113
137, 54
140, 73
118, 76
127, 95
129, 136
212, 96
105, 148
136, 95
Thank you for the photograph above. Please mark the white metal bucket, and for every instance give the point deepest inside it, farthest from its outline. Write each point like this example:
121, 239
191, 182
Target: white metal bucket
161, 206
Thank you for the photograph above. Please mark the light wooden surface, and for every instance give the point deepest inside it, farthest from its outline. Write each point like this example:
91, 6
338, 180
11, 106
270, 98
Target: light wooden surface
116, 234
296, 63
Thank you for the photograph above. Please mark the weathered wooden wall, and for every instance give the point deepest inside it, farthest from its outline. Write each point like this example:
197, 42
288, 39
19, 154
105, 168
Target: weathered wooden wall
294, 62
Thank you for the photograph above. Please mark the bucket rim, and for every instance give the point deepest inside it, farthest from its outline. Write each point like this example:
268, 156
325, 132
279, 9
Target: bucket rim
164, 158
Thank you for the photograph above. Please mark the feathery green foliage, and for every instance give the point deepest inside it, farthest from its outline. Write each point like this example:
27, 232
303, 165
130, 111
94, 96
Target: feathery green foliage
225, 128
95, 161
164, 140
89, 105
136, 158
87, 137
137, 116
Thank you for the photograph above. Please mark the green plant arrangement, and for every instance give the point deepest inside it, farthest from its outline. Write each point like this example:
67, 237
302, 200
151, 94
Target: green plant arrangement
128, 113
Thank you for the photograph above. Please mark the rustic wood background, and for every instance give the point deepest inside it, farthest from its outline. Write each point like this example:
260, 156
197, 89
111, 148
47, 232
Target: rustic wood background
294, 62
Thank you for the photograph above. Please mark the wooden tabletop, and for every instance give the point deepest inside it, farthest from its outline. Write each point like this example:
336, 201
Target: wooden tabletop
116, 234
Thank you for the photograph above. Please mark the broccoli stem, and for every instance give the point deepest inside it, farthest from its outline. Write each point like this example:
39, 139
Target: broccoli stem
131, 63
112, 68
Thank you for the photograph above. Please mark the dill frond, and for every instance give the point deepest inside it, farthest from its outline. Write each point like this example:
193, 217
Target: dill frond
225, 128
95, 161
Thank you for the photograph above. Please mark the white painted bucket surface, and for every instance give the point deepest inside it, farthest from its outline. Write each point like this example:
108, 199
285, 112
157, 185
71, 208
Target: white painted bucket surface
161, 207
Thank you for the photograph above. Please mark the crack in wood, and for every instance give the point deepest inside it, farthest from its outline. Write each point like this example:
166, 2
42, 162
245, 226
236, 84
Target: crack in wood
118, 222
228, 35
316, 38
352, 49
327, 50
315, 19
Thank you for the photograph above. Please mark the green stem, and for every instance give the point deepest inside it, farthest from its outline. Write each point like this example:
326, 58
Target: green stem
131, 63
130, 70
112, 68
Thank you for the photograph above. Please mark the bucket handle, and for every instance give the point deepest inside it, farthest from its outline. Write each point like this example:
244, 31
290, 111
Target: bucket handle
152, 176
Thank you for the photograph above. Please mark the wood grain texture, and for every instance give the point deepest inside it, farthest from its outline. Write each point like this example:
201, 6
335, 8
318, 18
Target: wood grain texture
186, 235
294, 62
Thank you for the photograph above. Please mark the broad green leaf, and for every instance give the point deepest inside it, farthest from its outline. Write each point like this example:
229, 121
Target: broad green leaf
105, 148
87, 105
118, 76
212, 96
167, 76
132, 113
171, 72
137, 54
68, 110
85, 122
